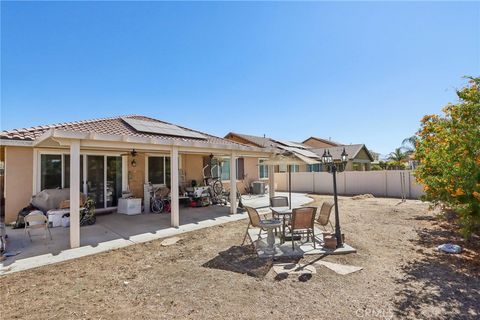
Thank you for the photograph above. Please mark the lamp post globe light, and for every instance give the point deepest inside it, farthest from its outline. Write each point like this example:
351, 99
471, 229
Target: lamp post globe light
327, 159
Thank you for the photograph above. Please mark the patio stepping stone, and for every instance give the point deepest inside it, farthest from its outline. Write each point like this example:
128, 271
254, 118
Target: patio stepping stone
170, 241
342, 269
293, 268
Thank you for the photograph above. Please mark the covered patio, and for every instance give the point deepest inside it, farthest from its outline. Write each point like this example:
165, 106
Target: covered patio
139, 151
115, 230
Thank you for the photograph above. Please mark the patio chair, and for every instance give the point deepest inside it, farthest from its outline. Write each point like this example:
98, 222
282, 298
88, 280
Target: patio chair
254, 221
276, 202
36, 221
302, 222
324, 216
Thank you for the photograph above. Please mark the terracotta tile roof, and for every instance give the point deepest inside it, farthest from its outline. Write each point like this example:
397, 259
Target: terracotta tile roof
110, 126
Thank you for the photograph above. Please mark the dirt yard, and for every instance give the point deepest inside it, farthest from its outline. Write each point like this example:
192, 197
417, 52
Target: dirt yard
403, 276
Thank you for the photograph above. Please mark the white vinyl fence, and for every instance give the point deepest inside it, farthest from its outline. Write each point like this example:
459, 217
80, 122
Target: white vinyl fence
385, 183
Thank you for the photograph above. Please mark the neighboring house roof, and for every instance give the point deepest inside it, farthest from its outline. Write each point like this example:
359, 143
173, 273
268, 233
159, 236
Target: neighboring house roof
330, 142
113, 126
301, 151
351, 149
262, 142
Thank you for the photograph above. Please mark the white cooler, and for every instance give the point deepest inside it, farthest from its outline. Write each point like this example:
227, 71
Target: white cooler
55, 216
129, 206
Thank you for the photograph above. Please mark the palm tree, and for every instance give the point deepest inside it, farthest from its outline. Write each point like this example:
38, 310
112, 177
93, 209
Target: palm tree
398, 157
410, 144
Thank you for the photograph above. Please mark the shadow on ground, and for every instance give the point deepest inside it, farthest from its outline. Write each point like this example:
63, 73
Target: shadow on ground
440, 285
242, 259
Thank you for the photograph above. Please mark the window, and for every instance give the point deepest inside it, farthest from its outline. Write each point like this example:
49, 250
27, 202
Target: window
55, 171
262, 169
50, 171
314, 167
159, 170
226, 168
295, 168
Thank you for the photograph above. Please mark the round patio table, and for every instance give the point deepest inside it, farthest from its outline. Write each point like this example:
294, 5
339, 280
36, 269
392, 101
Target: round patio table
283, 213
270, 225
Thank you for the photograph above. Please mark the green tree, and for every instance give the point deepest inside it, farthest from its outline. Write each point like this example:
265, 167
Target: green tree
397, 158
448, 151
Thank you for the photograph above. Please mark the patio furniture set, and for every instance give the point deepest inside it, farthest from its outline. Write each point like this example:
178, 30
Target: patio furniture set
289, 223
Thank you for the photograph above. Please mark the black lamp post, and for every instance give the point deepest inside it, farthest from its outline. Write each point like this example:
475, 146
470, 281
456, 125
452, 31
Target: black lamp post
327, 159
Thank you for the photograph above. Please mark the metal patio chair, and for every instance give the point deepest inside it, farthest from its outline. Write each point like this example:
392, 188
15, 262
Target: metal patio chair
302, 222
254, 221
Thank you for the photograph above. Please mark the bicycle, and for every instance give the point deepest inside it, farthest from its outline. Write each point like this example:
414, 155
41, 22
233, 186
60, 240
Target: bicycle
158, 201
214, 182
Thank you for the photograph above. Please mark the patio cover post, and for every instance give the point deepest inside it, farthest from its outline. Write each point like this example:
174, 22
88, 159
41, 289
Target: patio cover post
233, 184
175, 208
271, 182
75, 194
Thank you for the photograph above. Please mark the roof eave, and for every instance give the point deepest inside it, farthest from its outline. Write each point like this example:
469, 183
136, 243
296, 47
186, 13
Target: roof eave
63, 134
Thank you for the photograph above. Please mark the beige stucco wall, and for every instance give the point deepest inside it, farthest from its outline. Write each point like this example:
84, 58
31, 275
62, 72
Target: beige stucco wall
136, 175
18, 180
193, 166
362, 154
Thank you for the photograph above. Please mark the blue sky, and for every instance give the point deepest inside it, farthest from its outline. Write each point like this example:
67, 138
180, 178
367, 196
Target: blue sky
355, 72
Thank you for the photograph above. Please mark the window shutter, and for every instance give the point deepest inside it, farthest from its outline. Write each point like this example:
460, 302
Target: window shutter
240, 169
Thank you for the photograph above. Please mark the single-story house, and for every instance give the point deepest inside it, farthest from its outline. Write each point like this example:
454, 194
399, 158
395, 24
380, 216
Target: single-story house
311, 151
104, 157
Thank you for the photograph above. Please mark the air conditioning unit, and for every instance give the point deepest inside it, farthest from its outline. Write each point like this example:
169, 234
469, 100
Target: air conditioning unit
258, 187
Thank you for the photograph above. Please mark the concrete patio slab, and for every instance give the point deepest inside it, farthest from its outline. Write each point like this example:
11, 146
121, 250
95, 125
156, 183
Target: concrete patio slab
301, 249
293, 268
342, 269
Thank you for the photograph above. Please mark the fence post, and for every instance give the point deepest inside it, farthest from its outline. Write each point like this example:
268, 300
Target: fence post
313, 182
409, 185
386, 184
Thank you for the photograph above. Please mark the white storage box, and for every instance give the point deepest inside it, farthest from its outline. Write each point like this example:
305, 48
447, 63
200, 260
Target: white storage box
129, 206
55, 217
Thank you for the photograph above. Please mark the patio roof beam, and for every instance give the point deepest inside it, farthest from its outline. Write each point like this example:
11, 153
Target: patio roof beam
233, 183
75, 193
174, 197
271, 181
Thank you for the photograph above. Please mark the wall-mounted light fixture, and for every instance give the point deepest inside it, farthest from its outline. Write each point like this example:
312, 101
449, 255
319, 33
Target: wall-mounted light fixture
133, 153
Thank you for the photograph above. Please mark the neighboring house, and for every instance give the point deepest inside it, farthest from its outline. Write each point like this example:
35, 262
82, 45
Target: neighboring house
311, 150
359, 158
114, 155
299, 150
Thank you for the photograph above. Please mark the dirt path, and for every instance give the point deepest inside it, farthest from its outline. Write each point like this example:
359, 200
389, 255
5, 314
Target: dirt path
403, 277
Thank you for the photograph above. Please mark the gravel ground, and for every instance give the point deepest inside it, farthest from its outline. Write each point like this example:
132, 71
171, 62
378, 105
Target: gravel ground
207, 275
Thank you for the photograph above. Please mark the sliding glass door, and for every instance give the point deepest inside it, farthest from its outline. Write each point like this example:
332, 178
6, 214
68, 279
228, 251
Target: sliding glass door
96, 180
114, 180
100, 176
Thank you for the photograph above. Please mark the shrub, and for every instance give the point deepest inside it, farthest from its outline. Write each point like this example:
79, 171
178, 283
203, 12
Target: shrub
448, 151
